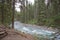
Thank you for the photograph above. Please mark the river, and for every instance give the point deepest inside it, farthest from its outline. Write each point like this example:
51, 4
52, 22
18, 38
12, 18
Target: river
32, 30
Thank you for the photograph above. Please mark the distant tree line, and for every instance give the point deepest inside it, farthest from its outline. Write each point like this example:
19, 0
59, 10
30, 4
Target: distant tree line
39, 13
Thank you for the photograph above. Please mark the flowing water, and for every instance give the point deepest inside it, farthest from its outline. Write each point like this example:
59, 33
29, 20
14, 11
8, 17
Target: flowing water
33, 30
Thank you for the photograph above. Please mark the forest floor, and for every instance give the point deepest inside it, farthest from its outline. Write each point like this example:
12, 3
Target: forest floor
13, 35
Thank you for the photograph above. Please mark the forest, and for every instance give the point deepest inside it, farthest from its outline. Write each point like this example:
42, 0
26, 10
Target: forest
38, 13
31, 22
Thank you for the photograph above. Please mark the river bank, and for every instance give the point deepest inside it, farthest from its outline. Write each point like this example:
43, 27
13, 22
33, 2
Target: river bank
14, 35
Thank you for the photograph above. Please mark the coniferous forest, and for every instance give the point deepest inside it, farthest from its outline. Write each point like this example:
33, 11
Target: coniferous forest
38, 13
41, 13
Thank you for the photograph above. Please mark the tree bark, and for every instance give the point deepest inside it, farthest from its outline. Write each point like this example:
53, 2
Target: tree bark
2, 11
13, 13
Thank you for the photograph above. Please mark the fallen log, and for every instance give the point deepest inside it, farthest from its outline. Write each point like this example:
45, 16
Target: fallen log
3, 31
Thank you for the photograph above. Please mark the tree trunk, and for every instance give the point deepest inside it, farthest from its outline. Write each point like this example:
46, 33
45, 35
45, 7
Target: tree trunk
13, 13
2, 11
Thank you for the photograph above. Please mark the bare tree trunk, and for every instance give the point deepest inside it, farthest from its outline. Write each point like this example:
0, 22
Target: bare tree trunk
2, 11
36, 10
13, 13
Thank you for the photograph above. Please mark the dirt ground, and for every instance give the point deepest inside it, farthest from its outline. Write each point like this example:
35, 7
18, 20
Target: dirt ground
13, 35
